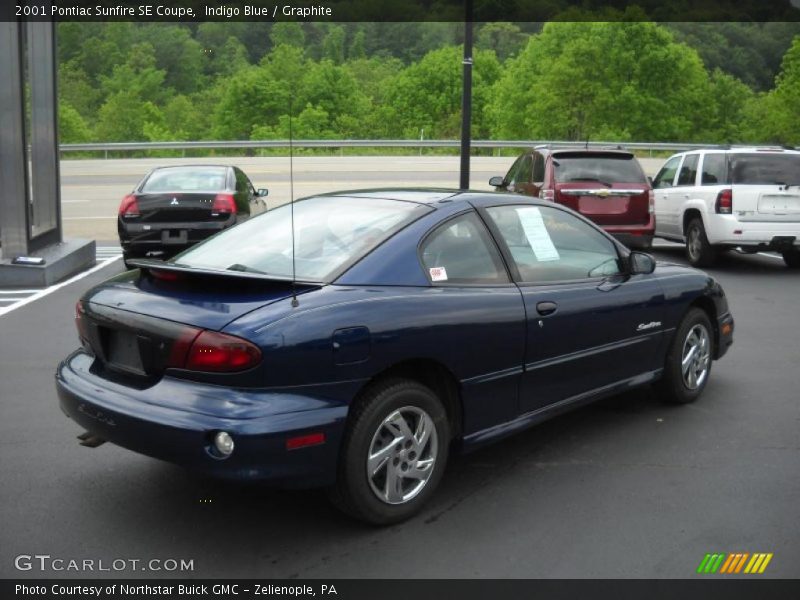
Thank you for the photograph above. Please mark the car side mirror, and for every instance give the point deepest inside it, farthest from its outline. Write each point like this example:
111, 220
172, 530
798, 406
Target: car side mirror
650, 179
497, 181
641, 263
262, 192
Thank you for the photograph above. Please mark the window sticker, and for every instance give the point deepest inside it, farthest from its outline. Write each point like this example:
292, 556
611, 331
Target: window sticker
438, 273
538, 237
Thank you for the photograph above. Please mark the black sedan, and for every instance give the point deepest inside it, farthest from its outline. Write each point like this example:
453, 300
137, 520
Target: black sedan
173, 208
353, 342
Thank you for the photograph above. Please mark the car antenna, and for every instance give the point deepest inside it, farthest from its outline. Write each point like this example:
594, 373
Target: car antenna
295, 303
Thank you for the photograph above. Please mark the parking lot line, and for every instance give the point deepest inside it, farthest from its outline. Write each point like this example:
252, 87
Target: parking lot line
4, 310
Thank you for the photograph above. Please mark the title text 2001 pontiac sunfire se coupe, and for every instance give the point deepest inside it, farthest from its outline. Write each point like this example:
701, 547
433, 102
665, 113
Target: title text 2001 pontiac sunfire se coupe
419, 320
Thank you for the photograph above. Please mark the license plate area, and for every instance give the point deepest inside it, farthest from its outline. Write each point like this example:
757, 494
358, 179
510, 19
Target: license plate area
174, 236
124, 352
778, 204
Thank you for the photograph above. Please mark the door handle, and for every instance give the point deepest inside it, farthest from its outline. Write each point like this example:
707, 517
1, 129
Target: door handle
546, 308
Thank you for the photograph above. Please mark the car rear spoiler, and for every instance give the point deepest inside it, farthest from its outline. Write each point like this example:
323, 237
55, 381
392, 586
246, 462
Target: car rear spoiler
173, 271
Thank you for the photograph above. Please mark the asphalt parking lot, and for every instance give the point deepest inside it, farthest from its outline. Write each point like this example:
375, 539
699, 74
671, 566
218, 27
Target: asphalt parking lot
625, 488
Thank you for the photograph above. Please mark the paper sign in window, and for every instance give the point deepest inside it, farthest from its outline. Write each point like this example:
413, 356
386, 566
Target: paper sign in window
535, 231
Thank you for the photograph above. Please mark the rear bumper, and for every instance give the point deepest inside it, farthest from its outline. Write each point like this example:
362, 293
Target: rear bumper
634, 236
259, 421
766, 235
137, 239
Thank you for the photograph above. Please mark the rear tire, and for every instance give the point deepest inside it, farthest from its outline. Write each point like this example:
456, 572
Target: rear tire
393, 454
699, 252
688, 364
792, 258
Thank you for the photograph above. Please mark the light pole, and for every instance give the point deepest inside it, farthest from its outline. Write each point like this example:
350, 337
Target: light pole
466, 97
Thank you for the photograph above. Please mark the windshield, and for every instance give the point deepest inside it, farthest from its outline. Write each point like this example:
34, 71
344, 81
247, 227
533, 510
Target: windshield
772, 168
186, 179
604, 168
330, 232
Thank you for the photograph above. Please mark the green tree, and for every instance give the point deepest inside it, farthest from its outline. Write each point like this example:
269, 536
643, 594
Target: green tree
427, 95
287, 33
177, 54
72, 128
138, 76
333, 46
125, 117
617, 81
506, 39
778, 115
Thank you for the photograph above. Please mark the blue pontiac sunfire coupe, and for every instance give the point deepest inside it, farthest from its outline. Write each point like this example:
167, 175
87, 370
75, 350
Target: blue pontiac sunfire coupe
411, 321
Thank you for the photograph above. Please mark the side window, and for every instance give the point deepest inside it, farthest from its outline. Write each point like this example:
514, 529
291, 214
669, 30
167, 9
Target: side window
715, 169
666, 175
549, 244
241, 180
538, 169
511, 176
688, 174
461, 251
521, 171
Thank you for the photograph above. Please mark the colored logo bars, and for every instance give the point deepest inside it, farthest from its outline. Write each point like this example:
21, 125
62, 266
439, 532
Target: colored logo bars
735, 563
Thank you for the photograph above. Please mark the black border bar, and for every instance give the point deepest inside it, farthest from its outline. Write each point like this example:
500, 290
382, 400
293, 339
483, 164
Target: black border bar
699, 588
401, 10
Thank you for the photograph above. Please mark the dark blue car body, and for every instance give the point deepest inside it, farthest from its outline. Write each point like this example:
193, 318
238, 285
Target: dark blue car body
495, 362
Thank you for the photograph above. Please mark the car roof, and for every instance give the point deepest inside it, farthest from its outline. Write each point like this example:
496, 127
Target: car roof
741, 150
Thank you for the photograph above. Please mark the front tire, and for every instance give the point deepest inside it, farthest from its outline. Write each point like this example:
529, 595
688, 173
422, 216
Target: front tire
699, 252
792, 258
689, 359
393, 454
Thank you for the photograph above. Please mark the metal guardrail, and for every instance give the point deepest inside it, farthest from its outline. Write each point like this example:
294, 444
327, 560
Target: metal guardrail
255, 144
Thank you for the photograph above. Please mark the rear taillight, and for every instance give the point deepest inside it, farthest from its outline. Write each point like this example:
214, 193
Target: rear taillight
548, 195
223, 203
724, 204
212, 351
651, 201
80, 322
129, 207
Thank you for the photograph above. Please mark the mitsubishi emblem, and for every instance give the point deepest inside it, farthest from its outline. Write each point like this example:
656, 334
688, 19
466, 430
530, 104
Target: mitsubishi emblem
174, 201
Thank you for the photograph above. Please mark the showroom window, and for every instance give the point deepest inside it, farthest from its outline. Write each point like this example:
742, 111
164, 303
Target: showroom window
461, 251
549, 244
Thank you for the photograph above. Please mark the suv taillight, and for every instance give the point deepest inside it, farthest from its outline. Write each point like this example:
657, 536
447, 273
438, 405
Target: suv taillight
651, 201
724, 204
548, 195
201, 350
224, 203
129, 207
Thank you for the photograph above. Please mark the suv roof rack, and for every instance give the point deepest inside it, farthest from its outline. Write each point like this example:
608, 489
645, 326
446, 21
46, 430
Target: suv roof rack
582, 146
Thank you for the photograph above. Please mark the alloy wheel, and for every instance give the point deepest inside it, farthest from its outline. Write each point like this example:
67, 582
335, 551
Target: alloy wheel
694, 244
696, 357
402, 455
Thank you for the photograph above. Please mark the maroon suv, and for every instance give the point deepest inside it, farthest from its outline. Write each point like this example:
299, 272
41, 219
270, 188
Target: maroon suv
607, 186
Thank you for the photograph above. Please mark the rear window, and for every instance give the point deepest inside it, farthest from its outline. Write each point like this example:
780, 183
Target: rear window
186, 180
605, 168
330, 233
771, 168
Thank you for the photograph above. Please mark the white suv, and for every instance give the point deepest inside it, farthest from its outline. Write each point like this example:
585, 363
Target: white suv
724, 198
